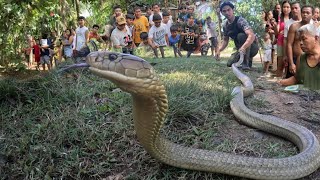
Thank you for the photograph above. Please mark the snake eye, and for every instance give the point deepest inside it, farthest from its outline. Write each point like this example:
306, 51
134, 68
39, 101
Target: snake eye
113, 57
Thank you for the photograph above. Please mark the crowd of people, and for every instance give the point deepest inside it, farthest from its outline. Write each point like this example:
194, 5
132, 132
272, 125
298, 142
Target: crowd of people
292, 40
147, 30
285, 43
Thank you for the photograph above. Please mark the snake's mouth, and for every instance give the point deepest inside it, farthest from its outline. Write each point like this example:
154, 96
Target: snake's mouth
74, 66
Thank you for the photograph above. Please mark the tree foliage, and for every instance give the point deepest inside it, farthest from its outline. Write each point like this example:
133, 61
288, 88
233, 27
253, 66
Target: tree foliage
20, 18
251, 11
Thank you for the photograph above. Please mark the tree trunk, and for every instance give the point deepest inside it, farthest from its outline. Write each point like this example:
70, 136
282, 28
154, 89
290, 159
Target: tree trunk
77, 4
217, 8
63, 14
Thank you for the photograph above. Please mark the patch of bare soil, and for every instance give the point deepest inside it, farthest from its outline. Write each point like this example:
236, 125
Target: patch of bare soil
302, 107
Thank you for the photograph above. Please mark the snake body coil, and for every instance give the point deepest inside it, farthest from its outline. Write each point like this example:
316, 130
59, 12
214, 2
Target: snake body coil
136, 76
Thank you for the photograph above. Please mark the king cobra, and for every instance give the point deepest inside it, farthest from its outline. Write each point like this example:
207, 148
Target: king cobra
137, 77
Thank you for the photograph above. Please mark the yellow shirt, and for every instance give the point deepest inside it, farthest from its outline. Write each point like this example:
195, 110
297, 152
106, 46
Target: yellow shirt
140, 25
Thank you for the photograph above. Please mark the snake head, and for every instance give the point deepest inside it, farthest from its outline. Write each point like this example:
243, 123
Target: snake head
130, 73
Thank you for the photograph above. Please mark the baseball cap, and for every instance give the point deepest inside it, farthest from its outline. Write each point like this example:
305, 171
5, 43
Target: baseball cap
121, 20
226, 3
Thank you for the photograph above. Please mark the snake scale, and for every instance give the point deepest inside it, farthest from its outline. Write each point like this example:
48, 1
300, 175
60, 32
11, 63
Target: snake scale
136, 76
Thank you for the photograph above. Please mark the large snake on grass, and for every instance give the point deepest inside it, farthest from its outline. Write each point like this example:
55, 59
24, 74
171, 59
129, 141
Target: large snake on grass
136, 76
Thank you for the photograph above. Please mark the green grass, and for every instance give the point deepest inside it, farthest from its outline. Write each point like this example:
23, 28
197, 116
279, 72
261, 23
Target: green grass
81, 128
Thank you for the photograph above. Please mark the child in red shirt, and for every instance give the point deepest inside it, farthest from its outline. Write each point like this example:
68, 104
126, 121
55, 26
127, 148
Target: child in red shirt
36, 52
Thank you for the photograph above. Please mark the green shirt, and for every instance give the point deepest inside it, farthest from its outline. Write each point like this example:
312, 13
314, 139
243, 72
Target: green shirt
309, 76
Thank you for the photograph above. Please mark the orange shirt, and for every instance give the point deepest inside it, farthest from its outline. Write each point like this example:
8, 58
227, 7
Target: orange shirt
140, 25
93, 36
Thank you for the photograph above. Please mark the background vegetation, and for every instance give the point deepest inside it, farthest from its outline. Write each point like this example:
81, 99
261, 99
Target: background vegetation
21, 18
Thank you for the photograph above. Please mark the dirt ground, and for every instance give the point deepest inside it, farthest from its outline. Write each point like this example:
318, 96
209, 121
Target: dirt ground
302, 107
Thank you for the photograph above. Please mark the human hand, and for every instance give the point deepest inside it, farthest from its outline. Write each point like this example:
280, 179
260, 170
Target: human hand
242, 50
293, 68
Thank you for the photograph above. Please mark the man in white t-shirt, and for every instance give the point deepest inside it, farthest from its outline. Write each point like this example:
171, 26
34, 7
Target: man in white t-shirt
156, 10
82, 36
158, 36
120, 37
167, 22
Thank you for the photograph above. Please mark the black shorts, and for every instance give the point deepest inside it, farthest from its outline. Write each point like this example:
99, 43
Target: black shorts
214, 42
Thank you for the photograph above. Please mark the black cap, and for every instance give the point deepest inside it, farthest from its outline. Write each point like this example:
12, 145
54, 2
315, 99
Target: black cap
227, 3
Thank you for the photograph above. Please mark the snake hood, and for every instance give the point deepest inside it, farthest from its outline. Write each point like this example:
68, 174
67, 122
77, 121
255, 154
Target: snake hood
150, 105
130, 73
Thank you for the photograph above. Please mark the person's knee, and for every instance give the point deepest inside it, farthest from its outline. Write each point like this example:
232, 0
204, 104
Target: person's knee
242, 37
254, 49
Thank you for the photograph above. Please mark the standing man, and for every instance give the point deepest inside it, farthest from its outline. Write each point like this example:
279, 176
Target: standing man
140, 24
156, 10
238, 29
81, 42
116, 13
293, 43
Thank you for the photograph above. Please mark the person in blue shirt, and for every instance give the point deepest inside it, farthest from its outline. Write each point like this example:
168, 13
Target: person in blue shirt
174, 40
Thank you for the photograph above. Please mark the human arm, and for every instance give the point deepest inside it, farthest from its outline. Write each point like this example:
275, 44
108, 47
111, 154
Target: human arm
289, 52
250, 39
275, 27
150, 38
70, 41
288, 82
224, 44
75, 43
115, 41
87, 37
167, 39
150, 41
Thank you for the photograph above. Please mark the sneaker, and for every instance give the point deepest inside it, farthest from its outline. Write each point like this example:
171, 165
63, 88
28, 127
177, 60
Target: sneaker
245, 68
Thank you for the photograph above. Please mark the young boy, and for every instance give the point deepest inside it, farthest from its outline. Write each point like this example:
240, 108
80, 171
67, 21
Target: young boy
45, 53
166, 21
182, 14
36, 52
204, 44
267, 46
144, 47
129, 25
130, 31
158, 36
213, 36
93, 34
141, 24
174, 40
81, 41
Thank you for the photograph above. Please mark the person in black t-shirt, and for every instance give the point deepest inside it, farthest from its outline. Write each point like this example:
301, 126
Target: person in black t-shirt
238, 29
189, 34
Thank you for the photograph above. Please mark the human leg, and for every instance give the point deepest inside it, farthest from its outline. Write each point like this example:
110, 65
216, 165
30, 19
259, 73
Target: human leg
189, 53
162, 51
175, 50
47, 60
155, 50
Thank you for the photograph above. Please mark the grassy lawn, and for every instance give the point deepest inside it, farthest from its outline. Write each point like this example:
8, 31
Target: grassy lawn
80, 127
